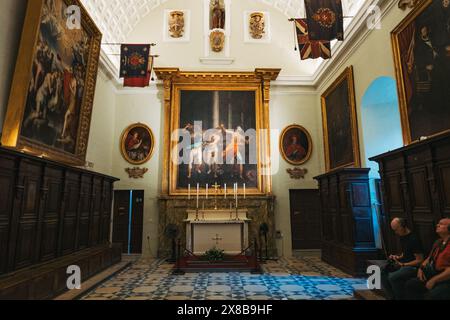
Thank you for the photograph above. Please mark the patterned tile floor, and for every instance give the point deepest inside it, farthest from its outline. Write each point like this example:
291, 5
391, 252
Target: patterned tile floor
298, 278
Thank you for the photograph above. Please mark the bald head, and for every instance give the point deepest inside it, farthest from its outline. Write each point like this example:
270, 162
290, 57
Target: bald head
398, 225
443, 228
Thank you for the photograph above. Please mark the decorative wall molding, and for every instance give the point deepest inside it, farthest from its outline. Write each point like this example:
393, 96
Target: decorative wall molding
297, 173
136, 173
217, 61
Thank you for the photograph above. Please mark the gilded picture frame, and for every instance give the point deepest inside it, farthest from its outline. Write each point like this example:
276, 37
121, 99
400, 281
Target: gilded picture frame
296, 145
52, 92
421, 49
256, 84
137, 144
340, 124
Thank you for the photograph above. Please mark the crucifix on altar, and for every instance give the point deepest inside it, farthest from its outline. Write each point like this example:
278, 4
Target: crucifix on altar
216, 188
217, 239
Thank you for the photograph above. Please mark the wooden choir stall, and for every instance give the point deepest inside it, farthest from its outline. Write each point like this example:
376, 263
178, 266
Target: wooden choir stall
51, 216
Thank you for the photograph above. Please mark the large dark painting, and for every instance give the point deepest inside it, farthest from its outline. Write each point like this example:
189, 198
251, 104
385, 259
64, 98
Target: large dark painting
422, 56
51, 100
220, 127
340, 124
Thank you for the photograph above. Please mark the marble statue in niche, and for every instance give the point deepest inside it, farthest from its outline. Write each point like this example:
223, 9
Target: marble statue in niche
217, 14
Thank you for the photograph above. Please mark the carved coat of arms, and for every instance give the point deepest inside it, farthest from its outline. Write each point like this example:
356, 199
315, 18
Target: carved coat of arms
176, 24
217, 40
257, 25
136, 173
297, 173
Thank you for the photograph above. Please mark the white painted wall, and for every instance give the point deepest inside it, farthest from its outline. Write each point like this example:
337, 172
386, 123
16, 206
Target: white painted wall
102, 136
12, 14
287, 108
135, 106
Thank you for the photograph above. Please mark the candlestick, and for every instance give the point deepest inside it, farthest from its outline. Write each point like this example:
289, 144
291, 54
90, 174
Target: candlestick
198, 191
236, 195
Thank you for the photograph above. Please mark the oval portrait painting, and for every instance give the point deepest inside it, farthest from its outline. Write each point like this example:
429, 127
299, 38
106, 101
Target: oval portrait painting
137, 143
296, 145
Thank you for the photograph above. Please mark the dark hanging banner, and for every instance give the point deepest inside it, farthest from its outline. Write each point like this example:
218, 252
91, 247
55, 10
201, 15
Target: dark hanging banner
134, 64
134, 60
140, 82
325, 19
310, 49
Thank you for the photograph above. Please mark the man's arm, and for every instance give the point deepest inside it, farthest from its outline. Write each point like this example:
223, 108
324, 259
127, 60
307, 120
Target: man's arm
420, 273
415, 263
444, 276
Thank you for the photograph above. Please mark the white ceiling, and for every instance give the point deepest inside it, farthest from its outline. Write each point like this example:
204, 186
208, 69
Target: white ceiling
117, 18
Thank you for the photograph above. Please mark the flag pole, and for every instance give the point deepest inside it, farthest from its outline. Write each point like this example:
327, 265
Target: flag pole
119, 44
295, 35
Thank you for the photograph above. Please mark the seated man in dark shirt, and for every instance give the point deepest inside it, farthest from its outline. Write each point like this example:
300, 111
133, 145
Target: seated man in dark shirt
405, 265
433, 278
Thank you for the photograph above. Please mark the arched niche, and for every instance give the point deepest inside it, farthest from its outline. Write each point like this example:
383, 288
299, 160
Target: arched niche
382, 132
381, 123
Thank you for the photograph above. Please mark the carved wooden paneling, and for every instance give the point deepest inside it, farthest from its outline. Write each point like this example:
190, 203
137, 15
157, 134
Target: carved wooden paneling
423, 195
106, 211
46, 211
30, 179
85, 210
420, 191
7, 180
96, 209
53, 186
349, 202
444, 187
70, 211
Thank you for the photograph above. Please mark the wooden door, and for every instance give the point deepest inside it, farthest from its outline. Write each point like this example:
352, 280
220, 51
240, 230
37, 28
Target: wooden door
128, 220
305, 219
121, 218
137, 221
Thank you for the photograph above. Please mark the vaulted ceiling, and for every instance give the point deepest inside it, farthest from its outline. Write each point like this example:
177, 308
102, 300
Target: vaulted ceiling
118, 18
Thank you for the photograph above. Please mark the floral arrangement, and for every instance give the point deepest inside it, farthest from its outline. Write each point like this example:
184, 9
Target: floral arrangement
214, 255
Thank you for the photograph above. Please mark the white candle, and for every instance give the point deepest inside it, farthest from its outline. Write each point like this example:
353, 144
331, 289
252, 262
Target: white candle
236, 188
206, 191
198, 191
225, 190
237, 196
189, 191
244, 191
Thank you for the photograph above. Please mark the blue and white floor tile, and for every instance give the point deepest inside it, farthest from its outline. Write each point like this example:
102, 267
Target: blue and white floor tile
299, 278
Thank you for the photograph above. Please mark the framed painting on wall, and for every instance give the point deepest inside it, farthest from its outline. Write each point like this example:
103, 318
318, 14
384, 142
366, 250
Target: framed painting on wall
421, 44
137, 144
216, 132
50, 105
340, 126
226, 118
296, 145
